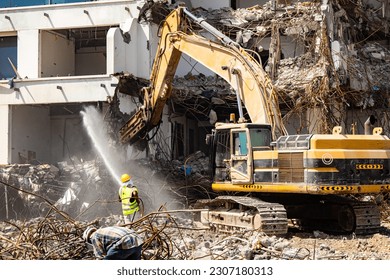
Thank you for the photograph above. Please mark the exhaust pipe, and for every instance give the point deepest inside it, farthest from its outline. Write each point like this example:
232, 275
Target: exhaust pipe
368, 124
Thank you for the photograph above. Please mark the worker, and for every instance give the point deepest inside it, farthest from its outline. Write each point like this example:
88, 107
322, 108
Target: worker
128, 195
114, 243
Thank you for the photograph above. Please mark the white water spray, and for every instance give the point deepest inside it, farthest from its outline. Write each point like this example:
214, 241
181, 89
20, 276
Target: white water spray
151, 188
93, 123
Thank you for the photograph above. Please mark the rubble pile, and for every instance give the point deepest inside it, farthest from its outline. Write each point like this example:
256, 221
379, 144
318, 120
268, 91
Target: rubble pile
330, 55
317, 54
86, 190
368, 70
199, 86
29, 189
167, 236
48, 238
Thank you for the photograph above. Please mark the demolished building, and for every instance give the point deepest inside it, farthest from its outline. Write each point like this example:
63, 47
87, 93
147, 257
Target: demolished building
328, 61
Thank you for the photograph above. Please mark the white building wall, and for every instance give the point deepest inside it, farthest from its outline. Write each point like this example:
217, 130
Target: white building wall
4, 135
45, 61
64, 144
147, 45
30, 133
250, 3
207, 4
28, 53
61, 90
132, 57
116, 52
60, 16
57, 55
90, 60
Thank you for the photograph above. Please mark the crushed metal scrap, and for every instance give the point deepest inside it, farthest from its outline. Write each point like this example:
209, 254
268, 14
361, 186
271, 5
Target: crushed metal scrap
167, 237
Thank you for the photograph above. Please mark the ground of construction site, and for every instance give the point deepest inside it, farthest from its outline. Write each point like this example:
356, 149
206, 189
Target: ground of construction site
49, 206
46, 207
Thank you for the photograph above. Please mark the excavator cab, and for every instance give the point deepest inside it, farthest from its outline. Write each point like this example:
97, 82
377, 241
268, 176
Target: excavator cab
232, 147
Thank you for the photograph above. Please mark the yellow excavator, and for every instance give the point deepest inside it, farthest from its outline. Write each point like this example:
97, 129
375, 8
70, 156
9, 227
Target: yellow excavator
269, 178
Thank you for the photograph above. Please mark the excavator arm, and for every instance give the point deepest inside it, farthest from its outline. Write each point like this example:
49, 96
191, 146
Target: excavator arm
251, 83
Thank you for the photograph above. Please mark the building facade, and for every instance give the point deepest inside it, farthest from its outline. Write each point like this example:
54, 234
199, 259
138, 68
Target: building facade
56, 57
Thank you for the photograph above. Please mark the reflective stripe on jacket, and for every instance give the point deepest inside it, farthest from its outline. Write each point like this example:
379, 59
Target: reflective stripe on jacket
125, 194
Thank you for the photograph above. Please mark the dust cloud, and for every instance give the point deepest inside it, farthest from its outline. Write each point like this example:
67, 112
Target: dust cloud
153, 188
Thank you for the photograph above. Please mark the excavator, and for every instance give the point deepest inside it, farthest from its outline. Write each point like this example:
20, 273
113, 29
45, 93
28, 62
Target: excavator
268, 179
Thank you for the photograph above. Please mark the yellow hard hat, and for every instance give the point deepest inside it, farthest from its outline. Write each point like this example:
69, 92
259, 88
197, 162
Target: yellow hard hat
125, 178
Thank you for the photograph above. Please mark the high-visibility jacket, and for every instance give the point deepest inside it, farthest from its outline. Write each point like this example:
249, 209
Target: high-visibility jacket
128, 195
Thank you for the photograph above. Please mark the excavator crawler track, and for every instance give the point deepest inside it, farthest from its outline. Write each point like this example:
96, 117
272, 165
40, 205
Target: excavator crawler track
337, 215
232, 213
367, 217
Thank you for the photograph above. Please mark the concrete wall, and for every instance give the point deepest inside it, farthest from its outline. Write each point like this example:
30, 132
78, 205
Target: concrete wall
57, 56
60, 90
4, 135
30, 133
90, 61
147, 41
249, 3
43, 53
52, 139
216, 4
68, 138
28, 53
134, 56
207, 4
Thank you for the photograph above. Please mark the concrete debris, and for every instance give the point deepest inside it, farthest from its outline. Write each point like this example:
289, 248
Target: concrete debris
369, 68
314, 52
87, 190
169, 234
178, 238
153, 11
201, 86
67, 186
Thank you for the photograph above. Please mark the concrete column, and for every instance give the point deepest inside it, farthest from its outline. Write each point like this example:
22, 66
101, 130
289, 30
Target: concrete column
4, 136
29, 53
122, 50
116, 58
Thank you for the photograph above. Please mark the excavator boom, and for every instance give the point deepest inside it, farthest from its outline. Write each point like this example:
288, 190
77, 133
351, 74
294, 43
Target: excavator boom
225, 58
